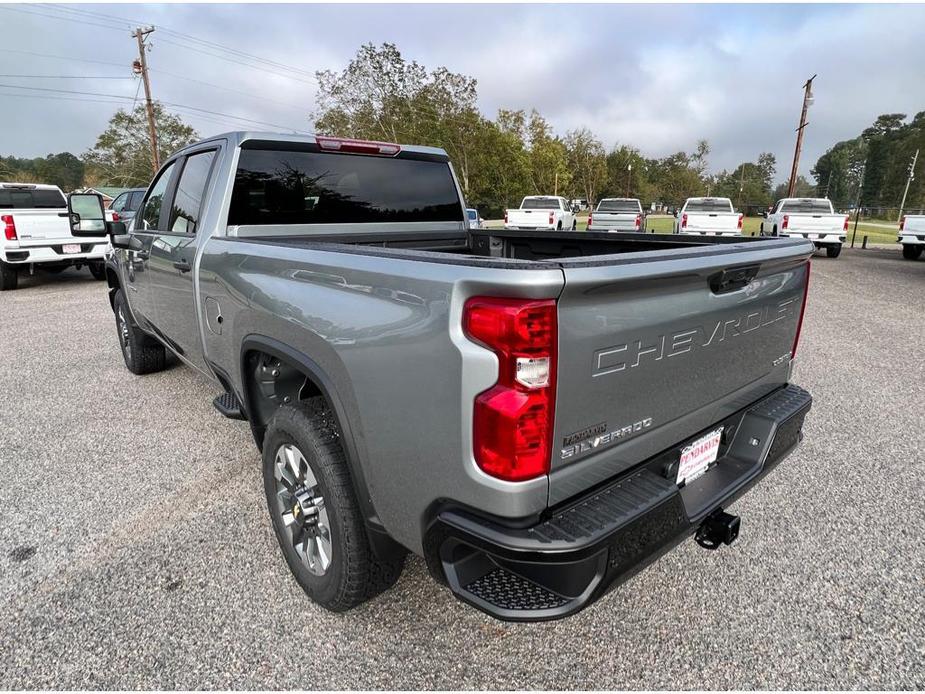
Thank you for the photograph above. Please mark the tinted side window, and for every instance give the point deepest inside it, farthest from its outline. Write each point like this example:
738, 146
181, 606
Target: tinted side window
184, 214
119, 203
135, 200
151, 214
283, 187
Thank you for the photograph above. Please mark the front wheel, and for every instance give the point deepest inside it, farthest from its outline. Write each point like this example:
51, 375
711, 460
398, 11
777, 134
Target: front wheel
9, 277
98, 270
574, 225
911, 252
142, 354
833, 251
315, 514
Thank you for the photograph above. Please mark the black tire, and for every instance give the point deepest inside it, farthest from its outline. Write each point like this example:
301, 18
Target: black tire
98, 270
761, 230
559, 226
774, 233
574, 225
9, 277
833, 251
911, 252
354, 574
142, 353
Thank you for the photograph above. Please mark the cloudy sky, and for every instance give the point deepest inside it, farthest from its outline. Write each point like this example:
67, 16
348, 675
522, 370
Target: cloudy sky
658, 77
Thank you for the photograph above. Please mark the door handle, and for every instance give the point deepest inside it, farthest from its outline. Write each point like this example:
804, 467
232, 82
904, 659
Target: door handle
182, 265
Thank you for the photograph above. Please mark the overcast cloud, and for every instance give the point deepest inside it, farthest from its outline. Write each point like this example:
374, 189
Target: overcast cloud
658, 77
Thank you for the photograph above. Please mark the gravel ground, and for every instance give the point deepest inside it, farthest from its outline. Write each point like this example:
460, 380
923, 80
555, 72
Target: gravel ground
135, 550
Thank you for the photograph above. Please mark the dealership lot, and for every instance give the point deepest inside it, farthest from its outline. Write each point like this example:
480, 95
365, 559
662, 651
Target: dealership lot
135, 548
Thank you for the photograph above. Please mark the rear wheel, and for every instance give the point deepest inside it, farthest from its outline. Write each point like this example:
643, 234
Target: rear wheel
315, 514
574, 225
9, 277
911, 252
142, 354
833, 251
559, 226
98, 270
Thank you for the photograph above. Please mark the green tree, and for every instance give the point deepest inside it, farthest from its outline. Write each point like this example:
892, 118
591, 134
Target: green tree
549, 169
587, 162
122, 154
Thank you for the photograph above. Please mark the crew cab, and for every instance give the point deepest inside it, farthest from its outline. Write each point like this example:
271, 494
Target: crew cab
708, 217
542, 212
912, 235
36, 234
539, 415
617, 214
808, 218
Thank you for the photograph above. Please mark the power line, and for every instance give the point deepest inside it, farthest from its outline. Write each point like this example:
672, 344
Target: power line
71, 77
61, 57
226, 89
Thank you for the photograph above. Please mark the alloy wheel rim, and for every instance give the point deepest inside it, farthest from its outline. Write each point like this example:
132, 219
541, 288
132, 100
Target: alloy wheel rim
301, 508
124, 335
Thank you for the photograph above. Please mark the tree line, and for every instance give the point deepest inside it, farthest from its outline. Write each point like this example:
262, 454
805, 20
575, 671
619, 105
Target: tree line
380, 95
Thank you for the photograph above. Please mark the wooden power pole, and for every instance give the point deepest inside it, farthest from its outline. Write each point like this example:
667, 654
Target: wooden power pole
141, 67
909, 180
807, 101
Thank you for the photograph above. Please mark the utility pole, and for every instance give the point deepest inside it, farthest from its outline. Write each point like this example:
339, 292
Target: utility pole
141, 67
556, 186
629, 175
741, 185
909, 180
857, 206
807, 102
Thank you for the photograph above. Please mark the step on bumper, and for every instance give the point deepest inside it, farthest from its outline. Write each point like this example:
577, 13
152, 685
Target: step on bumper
556, 567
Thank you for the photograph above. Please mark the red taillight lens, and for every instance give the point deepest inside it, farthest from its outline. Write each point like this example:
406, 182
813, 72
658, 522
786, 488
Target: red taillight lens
902, 224
845, 227
115, 217
9, 227
513, 420
684, 221
783, 224
739, 223
590, 216
638, 220
552, 218
796, 340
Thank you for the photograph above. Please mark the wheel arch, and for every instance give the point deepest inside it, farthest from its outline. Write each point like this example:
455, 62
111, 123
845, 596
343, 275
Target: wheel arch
260, 408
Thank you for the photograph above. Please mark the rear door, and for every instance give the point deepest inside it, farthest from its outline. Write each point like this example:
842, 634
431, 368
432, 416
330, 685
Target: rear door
654, 350
173, 254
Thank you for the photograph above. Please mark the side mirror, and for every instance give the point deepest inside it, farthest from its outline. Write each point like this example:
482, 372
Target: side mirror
86, 214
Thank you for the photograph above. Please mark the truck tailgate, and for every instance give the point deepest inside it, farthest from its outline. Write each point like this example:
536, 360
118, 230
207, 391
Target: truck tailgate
712, 221
654, 350
622, 221
40, 226
528, 218
815, 222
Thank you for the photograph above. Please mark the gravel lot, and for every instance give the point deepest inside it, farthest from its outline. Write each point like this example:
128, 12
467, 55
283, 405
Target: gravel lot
135, 549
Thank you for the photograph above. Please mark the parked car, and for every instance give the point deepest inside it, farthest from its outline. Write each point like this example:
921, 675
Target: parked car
708, 217
126, 204
808, 218
912, 235
617, 214
542, 212
538, 415
475, 221
36, 234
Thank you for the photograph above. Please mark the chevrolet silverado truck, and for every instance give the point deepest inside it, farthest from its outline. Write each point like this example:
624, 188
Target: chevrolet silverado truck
36, 234
617, 214
542, 212
912, 235
539, 415
708, 217
808, 218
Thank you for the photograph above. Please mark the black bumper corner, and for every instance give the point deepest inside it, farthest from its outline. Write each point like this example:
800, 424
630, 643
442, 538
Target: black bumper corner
554, 568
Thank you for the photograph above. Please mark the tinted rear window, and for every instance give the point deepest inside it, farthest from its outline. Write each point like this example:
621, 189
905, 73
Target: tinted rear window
717, 205
540, 204
807, 206
618, 206
13, 199
472, 214
282, 187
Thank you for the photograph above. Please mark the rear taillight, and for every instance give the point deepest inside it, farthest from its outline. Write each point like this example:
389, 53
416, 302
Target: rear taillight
552, 218
845, 225
783, 224
513, 420
638, 221
116, 217
589, 219
739, 223
902, 224
684, 221
9, 227
796, 340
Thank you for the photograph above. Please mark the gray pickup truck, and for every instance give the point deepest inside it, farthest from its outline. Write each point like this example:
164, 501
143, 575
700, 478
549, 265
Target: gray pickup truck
537, 414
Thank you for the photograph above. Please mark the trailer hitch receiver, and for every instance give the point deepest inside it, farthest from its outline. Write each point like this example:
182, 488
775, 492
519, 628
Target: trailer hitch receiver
719, 528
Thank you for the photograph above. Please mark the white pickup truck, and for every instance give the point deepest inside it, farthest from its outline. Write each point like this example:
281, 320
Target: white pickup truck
542, 212
912, 235
808, 218
708, 217
617, 214
36, 232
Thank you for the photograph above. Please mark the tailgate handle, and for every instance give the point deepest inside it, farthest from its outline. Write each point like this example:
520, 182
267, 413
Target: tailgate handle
731, 279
